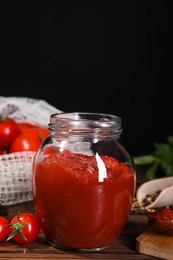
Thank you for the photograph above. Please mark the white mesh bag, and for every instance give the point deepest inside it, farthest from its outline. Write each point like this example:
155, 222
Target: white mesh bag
16, 168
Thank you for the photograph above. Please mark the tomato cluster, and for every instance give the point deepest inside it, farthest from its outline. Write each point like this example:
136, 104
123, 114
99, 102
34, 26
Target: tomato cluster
20, 136
24, 228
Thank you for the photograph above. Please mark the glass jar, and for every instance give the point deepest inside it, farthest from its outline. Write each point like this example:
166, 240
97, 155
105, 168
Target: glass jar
83, 181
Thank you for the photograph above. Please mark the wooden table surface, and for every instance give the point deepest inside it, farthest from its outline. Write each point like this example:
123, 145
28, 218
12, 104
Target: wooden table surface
124, 248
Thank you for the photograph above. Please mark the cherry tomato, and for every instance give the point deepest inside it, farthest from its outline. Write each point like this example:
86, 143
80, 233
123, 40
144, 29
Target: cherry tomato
9, 130
24, 228
31, 140
3, 152
24, 126
4, 229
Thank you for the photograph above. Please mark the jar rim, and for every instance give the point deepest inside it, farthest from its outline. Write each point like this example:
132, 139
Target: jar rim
86, 121
90, 116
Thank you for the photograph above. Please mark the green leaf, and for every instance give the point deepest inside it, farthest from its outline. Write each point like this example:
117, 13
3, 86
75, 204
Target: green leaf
164, 154
151, 172
163, 151
166, 168
162, 158
144, 159
170, 141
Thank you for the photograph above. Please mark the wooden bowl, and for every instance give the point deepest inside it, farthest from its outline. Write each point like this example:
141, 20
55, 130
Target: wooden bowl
161, 220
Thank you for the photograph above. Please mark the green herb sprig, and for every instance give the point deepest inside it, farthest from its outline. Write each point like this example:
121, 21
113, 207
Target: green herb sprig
161, 159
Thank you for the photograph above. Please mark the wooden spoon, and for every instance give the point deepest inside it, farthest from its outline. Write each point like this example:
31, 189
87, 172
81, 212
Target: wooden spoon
161, 220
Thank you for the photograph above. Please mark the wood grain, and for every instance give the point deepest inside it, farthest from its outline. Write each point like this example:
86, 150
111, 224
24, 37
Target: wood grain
154, 244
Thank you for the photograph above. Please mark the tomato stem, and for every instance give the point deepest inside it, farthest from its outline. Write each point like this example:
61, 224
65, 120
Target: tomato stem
3, 118
17, 229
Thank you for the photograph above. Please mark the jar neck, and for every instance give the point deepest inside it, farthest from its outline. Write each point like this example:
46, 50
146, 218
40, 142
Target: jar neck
84, 124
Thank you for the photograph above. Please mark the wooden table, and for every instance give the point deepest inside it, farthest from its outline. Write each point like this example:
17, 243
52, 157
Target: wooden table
124, 248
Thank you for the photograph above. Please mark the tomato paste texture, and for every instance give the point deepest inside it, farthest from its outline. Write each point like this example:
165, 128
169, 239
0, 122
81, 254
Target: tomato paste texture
74, 208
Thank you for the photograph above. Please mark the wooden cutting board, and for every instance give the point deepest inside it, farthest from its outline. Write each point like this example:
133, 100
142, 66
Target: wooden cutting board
154, 244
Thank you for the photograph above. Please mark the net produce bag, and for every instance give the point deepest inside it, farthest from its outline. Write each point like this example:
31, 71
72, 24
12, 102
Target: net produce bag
16, 168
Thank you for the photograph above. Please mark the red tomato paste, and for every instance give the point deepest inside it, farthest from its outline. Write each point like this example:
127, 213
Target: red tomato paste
161, 214
75, 209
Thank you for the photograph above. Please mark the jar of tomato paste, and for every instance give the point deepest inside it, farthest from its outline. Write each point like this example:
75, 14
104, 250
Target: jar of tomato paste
83, 182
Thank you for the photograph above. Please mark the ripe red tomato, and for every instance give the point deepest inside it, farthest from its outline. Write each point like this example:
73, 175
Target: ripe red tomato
4, 228
31, 140
9, 130
24, 228
24, 126
3, 152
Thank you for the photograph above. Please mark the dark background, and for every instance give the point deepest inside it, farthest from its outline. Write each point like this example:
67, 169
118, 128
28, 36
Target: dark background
110, 57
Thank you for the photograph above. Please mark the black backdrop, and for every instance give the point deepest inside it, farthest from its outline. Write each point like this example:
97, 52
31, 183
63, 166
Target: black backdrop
109, 57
